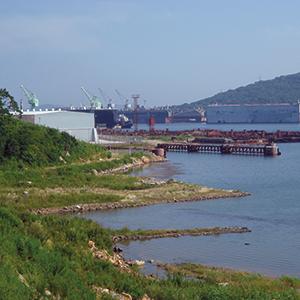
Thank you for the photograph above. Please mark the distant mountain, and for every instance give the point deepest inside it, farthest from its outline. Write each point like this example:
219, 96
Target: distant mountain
280, 89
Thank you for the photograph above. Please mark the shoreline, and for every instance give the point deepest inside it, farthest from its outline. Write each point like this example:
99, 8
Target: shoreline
89, 207
176, 233
144, 161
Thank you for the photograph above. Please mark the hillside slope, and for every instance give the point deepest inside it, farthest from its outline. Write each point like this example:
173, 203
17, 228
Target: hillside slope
280, 89
28, 144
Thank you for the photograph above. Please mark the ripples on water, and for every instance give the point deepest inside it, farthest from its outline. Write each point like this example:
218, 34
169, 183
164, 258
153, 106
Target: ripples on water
272, 212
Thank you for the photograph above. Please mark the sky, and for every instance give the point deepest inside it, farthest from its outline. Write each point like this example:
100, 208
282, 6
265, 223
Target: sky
168, 51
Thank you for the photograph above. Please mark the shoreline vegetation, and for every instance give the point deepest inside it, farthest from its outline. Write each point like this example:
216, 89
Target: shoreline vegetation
45, 255
172, 192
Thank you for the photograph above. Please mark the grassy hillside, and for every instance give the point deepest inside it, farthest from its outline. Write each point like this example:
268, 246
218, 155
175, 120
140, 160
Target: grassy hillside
280, 89
49, 258
23, 143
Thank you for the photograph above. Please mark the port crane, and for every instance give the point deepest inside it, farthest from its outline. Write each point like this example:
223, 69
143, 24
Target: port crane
122, 98
107, 99
104, 96
94, 100
32, 99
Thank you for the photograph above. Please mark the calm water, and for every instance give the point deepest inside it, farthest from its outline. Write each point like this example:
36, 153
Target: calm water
190, 126
272, 212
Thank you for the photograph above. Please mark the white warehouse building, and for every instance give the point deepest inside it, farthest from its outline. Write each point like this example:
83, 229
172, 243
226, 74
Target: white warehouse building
81, 125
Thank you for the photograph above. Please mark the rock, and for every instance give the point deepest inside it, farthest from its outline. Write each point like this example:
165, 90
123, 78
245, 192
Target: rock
62, 160
29, 182
150, 261
23, 280
91, 244
106, 291
138, 262
25, 193
146, 297
78, 206
125, 296
223, 283
116, 259
117, 249
47, 292
95, 172
171, 180
131, 197
145, 160
112, 294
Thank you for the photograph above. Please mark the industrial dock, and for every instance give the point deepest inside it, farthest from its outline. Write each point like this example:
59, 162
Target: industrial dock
253, 113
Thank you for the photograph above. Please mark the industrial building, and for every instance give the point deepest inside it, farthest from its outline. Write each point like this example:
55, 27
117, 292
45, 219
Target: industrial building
103, 118
78, 124
253, 113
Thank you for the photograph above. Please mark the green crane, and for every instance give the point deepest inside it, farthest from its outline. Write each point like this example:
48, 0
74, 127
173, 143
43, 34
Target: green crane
32, 99
94, 100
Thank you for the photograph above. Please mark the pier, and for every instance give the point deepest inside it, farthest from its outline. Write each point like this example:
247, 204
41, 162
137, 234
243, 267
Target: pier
241, 149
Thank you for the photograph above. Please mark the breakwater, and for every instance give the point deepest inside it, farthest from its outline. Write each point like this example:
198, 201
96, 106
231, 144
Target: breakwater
158, 234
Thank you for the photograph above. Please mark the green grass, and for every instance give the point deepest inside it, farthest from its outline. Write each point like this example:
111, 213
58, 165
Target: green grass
72, 175
157, 232
41, 167
38, 187
23, 201
24, 144
52, 253
240, 283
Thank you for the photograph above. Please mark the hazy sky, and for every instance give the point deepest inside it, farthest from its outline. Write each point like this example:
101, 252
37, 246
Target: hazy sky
168, 51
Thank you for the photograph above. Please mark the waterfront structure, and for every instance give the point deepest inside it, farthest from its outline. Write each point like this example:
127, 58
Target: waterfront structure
186, 116
105, 117
143, 115
253, 113
78, 124
242, 149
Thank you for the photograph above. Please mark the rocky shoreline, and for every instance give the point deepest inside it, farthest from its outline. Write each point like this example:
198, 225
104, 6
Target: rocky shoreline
179, 233
169, 191
137, 163
81, 208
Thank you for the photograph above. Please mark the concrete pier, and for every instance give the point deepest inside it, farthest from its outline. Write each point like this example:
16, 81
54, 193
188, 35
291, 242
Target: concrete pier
242, 149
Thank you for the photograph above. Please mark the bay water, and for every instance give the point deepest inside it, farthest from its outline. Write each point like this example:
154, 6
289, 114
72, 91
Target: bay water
272, 212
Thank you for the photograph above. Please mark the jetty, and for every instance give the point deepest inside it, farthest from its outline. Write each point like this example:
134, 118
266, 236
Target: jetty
241, 149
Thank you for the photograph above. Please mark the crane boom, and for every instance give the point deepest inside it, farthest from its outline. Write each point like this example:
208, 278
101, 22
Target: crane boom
122, 98
31, 97
86, 93
120, 95
94, 100
103, 95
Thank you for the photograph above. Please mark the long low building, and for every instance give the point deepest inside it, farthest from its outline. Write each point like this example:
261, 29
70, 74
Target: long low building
253, 113
78, 124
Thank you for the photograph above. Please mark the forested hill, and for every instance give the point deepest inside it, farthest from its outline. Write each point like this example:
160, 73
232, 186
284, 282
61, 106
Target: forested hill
280, 89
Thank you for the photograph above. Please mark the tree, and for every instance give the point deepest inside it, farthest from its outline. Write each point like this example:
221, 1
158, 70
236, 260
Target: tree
7, 103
